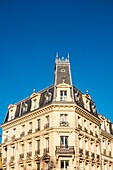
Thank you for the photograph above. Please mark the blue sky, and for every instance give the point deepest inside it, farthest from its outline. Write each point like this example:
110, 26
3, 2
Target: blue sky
32, 31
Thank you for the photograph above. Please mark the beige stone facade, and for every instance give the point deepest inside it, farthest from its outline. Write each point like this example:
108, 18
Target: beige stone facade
59, 129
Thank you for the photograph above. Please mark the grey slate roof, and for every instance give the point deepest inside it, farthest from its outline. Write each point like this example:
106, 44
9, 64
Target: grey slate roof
47, 96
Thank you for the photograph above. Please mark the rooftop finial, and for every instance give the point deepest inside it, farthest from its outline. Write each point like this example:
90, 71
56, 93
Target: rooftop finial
86, 91
34, 90
68, 56
63, 81
56, 55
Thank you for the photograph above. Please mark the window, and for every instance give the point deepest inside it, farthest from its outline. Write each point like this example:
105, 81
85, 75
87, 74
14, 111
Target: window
5, 152
64, 141
35, 103
22, 148
46, 150
38, 166
63, 118
63, 95
23, 128
47, 122
30, 125
30, 147
13, 150
24, 107
64, 165
38, 124
38, 146
22, 131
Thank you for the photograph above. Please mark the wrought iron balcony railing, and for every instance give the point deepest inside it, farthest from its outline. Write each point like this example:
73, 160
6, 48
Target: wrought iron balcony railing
64, 123
65, 150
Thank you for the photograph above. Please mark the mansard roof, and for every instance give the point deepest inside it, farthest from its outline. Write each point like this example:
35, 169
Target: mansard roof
48, 95
46, 98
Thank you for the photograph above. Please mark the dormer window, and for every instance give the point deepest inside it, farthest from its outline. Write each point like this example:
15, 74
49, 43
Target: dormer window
24, 107
63, 95
35, 103
12, 110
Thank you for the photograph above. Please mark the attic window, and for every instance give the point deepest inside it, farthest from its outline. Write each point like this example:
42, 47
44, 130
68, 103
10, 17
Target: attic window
62, 70
24, 107
63, 95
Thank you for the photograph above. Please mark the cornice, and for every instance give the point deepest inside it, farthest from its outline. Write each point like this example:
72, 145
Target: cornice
106, 134
87, 115
28, 116
33, 114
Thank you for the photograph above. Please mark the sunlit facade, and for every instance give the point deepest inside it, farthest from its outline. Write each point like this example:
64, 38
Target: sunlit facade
57, 128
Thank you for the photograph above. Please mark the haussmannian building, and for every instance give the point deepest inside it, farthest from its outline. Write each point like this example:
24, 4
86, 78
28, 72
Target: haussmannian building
57, 128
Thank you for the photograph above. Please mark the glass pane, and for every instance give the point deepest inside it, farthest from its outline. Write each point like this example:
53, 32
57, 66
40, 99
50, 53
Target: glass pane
61, 140
62, 164
66, 141
67, 164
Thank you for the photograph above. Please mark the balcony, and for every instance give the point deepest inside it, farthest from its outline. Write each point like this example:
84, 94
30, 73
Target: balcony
65, 151
21, 155
29, 132
64, 123
37, 152
85, 130
29, 154
79, 127
46, 125
22, 134
46, 150
91, 133
37, 129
